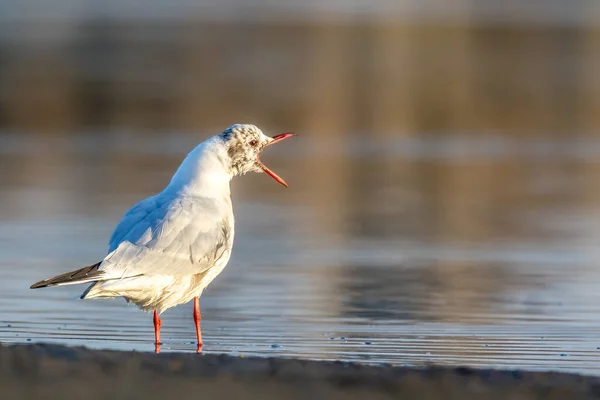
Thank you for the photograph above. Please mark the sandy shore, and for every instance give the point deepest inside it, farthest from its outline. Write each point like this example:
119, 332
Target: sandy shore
58, 372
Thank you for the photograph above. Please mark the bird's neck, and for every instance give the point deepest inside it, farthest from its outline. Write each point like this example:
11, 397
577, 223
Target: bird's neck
204, 172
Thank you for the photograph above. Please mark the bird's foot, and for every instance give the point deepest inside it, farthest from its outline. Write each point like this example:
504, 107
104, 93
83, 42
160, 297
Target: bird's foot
199, 348
157, 347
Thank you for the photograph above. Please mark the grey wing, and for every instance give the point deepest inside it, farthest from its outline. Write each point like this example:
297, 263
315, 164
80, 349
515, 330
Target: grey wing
134, 219
178, 238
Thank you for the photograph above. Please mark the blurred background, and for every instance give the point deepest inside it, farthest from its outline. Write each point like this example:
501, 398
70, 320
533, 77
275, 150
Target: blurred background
444, 201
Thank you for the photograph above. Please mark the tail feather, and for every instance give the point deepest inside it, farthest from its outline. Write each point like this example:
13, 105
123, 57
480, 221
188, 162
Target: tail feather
82, 275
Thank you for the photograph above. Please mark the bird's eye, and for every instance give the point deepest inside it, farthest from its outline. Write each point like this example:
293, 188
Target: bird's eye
253, 143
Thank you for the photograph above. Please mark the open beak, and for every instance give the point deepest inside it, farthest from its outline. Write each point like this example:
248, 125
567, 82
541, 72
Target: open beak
275, 139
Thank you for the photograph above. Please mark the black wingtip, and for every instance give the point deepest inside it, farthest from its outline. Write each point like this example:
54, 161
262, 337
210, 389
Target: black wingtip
40, 284
82, 275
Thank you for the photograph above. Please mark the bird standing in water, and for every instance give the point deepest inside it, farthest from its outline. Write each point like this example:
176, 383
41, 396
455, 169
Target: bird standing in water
169, 247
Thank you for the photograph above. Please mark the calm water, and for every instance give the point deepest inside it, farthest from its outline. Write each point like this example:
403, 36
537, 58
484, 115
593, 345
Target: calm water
442, 251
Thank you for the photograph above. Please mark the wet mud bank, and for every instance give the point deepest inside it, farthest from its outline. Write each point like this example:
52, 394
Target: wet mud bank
40, 371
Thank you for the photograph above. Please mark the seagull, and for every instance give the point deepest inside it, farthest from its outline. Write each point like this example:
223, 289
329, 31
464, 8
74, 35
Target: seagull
169, 247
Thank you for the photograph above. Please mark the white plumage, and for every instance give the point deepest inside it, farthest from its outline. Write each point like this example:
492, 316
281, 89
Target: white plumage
169, 247
162, 251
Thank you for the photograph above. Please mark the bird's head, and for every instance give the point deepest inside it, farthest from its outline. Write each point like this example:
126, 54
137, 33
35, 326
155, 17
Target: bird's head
244, 143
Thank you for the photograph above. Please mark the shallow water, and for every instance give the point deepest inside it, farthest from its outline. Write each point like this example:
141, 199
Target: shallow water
442, 251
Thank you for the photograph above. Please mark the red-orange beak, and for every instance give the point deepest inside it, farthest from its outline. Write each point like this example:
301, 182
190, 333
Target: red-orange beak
276, 138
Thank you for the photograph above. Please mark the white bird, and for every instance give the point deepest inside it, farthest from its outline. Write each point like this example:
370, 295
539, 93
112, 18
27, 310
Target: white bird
169, 247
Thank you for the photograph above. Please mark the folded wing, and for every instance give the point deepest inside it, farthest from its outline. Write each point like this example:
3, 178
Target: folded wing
179, 237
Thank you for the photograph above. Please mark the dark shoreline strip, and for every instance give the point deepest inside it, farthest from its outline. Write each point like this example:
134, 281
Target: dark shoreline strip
44, 371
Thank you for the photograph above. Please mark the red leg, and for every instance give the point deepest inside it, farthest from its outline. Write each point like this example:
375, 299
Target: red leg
197, 318
157, 324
